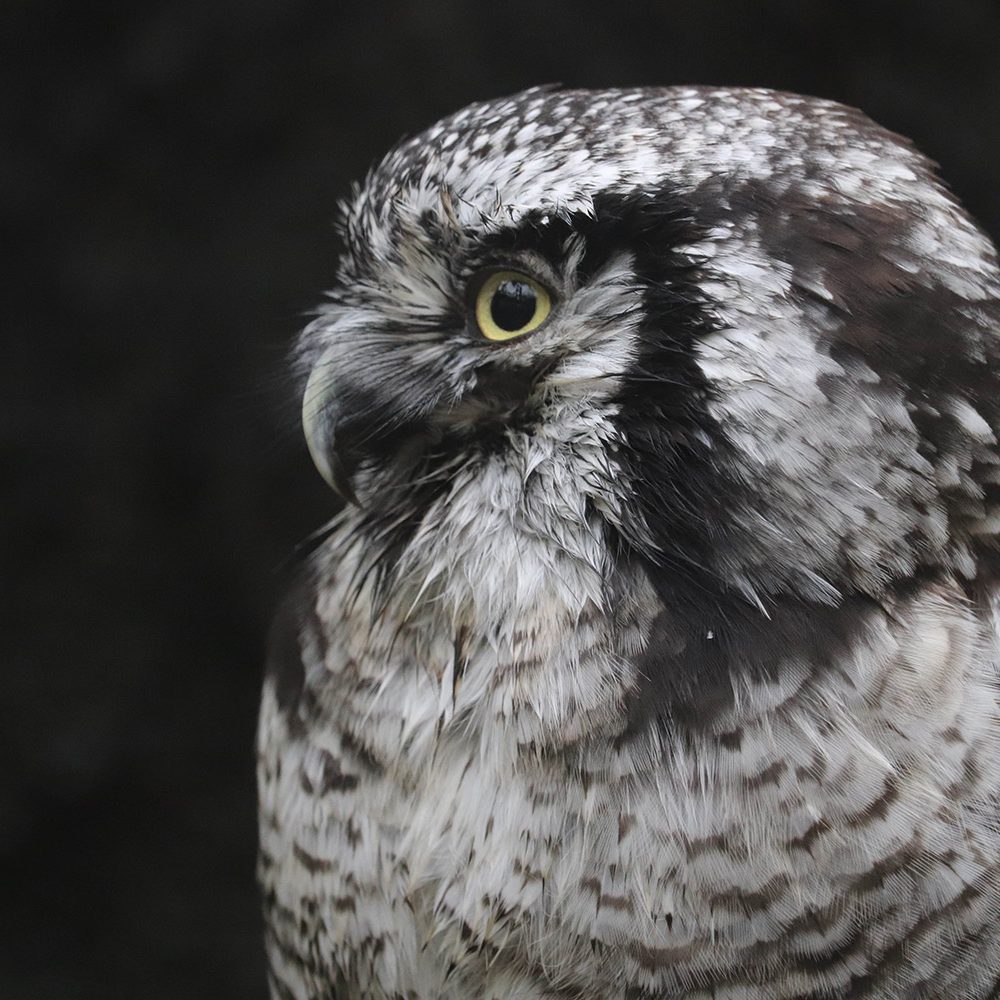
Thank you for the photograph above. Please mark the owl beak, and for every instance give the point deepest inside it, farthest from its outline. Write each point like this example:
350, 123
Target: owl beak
319, 414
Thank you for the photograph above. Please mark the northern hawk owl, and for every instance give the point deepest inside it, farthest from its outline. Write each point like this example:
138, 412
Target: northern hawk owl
653, 652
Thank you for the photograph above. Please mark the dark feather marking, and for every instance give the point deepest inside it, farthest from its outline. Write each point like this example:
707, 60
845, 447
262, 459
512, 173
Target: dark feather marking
675, 454
332, 776
621, 904
879, 808
769, 776
822, 960
310, 862
738, 901
732, 740
685, 677
674, 460
719, 843
918, 335
540, 232
900, 860
284, 646
896, 955
808, 838
358, 752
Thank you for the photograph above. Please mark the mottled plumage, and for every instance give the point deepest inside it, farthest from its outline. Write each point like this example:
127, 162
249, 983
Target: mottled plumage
655, 652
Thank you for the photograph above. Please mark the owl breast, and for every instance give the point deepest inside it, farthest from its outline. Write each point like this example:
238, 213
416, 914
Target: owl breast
799, 843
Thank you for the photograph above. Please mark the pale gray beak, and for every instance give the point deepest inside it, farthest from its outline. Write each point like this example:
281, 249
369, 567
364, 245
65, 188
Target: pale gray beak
319, 413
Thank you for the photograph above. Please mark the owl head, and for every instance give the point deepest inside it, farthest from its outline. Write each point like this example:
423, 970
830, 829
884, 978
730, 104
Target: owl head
741, 345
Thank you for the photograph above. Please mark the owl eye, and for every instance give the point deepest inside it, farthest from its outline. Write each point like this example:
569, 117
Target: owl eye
509, 304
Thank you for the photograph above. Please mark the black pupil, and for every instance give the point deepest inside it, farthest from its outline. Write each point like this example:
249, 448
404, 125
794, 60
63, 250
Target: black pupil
513, 305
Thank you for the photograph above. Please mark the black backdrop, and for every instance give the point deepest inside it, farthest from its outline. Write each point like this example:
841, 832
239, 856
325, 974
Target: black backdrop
168, 172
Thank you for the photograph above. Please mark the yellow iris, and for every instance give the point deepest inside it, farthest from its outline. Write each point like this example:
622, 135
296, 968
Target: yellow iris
510, 304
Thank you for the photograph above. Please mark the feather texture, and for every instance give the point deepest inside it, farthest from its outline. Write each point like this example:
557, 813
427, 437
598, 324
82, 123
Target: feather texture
655, 654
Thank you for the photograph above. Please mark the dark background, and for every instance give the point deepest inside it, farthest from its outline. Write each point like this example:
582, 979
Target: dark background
168, 175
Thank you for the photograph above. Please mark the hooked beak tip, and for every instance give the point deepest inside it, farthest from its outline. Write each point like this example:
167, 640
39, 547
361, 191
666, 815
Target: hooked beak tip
317, 425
